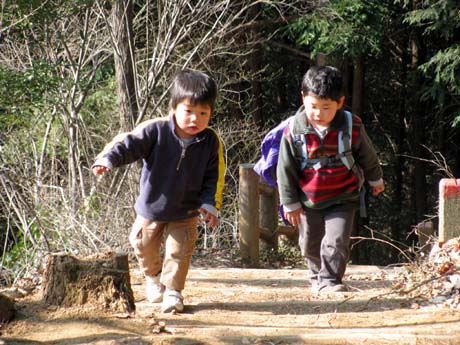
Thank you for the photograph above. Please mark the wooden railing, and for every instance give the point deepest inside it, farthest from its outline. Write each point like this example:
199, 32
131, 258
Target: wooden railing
259, 219
258, 216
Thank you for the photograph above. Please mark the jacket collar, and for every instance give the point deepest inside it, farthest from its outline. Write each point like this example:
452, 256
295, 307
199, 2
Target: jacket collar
302, 125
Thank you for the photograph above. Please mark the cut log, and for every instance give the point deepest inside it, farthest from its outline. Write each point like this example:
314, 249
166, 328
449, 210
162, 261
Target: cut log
7, 309
100, 281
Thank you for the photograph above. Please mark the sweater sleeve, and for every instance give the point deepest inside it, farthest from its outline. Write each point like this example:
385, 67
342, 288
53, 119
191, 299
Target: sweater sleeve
126, 148
287, 171
367, 158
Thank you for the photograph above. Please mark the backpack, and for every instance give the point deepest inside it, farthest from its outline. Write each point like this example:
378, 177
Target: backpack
266, 165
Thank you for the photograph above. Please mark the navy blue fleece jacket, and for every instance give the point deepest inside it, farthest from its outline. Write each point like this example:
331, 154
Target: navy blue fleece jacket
176, 180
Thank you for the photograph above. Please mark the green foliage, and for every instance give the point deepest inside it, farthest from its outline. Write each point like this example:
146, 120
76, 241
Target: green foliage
446, 67
440, 24
101, 102
437, 17
23, 93
22, 244
347, 27
38, 11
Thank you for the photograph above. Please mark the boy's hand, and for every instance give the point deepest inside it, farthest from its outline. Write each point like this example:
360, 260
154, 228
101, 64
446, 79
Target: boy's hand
378, 189
208, 217
99, 170
293, 217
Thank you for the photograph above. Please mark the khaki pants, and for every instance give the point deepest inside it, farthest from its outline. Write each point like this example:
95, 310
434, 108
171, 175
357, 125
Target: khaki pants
179, 244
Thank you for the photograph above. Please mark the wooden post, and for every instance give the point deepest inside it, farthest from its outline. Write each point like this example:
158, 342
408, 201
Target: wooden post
449, 209
268, 215
249, 215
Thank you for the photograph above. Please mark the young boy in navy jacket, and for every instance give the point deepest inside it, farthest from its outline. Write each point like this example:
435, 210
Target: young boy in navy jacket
322, 197
182, 177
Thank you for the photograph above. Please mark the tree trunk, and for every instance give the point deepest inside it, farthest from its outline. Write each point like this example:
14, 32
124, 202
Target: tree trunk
321, 59
360, 253
418, 135
456, 152
358, 87
254, 65
122, 21
399, 150
347, 71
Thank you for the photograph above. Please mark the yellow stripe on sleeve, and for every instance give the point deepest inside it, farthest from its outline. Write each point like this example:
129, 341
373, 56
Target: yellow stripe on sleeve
221, 174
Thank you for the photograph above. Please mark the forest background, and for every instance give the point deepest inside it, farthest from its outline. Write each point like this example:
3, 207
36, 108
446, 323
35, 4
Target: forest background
75, 73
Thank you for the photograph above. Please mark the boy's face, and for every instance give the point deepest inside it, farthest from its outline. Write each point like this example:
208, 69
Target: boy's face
321, 111
191, 119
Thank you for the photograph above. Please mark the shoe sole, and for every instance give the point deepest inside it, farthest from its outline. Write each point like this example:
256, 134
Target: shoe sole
172, 308
156, 300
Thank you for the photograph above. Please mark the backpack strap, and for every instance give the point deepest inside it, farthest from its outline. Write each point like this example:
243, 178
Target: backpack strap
344, 143
300, 144
346, 155
345, 151
345, 136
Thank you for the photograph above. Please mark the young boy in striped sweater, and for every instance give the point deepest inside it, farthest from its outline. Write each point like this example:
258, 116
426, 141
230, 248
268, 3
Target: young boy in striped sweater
322, 197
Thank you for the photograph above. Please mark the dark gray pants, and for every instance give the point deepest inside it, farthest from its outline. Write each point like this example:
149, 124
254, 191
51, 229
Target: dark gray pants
324, 240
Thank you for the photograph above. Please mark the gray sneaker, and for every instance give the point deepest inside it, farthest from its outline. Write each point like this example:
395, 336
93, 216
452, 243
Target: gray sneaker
333, 288
314, 286
172, 301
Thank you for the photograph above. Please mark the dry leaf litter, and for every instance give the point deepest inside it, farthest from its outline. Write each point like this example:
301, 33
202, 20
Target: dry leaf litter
435, 279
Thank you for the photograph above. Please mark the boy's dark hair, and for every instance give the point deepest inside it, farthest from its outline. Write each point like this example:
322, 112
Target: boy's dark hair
195, 86
324, 82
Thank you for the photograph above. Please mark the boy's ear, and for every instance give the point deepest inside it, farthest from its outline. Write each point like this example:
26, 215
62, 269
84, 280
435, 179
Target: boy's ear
341, 102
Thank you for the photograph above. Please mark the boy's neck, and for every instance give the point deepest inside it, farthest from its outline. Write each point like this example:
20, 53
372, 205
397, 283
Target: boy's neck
187, 140
320, 128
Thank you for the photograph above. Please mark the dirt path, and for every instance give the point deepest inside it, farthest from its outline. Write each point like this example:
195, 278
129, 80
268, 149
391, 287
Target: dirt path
248, 306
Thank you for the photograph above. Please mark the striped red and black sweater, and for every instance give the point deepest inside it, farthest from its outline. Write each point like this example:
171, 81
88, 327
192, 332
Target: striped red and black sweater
332, 183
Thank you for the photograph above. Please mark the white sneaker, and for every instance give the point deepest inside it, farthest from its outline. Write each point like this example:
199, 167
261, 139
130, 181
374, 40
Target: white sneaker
154, 289
172, 301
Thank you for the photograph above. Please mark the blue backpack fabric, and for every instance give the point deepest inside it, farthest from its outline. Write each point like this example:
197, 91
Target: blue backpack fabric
270, 147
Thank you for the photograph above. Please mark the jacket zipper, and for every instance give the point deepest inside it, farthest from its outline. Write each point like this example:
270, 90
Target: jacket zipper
184, 149
182, 155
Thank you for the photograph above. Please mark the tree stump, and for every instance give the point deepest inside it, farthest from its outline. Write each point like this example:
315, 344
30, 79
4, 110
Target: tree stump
100, 281
7, 309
